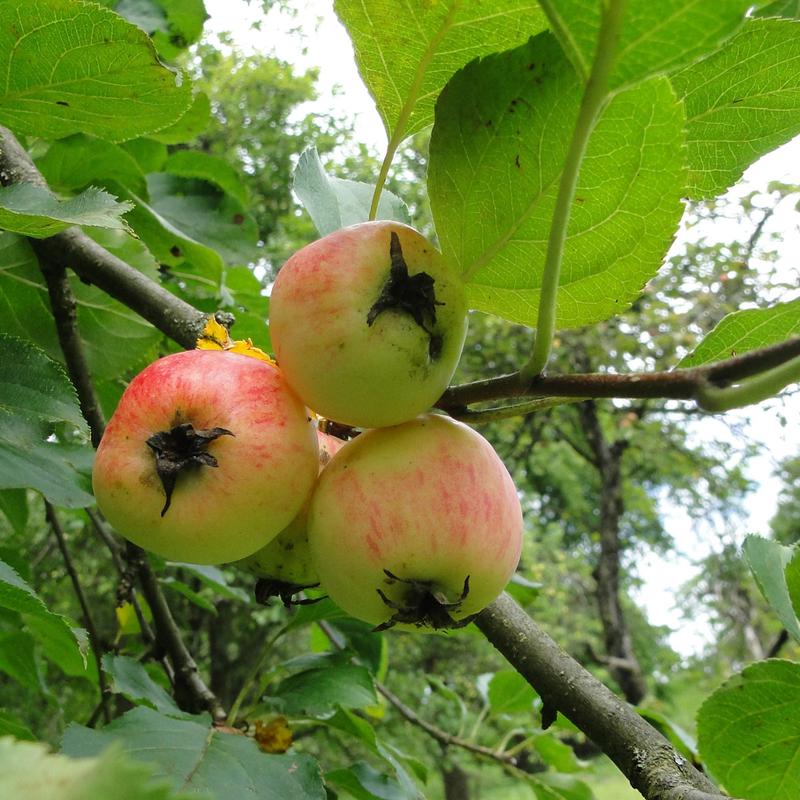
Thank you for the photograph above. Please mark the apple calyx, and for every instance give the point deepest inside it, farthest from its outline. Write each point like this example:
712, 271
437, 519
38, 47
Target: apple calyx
181, 448
423, 605
267, 588
413, 294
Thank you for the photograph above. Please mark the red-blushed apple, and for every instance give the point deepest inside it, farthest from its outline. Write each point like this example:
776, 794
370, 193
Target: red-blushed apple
284, 566
417, 525
368, 323
208, 456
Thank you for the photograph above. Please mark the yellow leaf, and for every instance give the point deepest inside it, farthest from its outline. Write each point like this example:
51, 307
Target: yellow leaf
216, 337
274, 736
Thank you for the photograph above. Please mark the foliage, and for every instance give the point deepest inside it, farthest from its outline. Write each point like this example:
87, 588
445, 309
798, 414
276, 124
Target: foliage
550, 159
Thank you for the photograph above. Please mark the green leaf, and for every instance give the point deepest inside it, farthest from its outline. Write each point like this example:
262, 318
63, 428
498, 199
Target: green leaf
147, 14
748, 735
742, 331
14, 504
213, 169
149, 154
215, 579
669, 729
334, 203
203, 216
656, 38
49, 628
130, 678
407, 51
502, 130
767, 561
57, 642
17, 659
552, 786
792, 576
191, 124
365, 783
741, 102
190, 594
11, 726
779, 8
80, 160
28, 770
29, 459
35, 211
185, 19
510, 693
560, 756
74, 67
115, 339
316, 692
200, 758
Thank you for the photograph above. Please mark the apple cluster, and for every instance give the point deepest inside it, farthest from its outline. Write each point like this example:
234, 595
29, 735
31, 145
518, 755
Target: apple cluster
213, 457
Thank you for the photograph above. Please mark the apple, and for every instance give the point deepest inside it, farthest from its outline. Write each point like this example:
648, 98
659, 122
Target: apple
417, 525
208, 456
283, 566
368, 323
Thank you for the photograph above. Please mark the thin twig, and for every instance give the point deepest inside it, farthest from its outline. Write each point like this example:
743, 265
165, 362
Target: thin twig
88, 620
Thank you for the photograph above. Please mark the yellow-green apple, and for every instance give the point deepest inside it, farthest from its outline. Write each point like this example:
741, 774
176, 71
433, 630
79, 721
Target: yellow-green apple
208, 456
415, 525
368, 323
284, 566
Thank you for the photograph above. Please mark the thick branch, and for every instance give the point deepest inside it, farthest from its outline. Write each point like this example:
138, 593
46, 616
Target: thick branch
72, 248
649, 762
679, 384
88, 620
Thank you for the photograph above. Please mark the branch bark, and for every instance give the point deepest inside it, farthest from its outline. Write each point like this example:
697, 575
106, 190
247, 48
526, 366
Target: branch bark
678, 384
643, 755
624, 667
72, 248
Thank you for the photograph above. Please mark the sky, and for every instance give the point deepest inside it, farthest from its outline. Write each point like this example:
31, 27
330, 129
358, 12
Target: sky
322, 41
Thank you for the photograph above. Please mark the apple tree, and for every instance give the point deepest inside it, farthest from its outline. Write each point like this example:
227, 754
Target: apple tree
566, 142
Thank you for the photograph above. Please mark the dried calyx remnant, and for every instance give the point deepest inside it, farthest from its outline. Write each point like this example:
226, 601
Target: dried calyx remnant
413, 294
423, 606
182, 448
267, 588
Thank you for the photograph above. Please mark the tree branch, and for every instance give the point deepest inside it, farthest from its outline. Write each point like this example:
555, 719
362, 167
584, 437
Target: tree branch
94, 264
88, 620
649, 762
678, 384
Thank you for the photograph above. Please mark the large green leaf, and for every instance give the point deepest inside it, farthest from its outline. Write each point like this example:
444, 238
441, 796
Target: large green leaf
792, 576
35, 211
406, 50
748, 733
334, 203
502, 130
746, 330
16, 595
364, 782
656, 37
196, 756
768, 561
79, 160
14, 504
28, 770
780, 8
75, 67
741, 102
